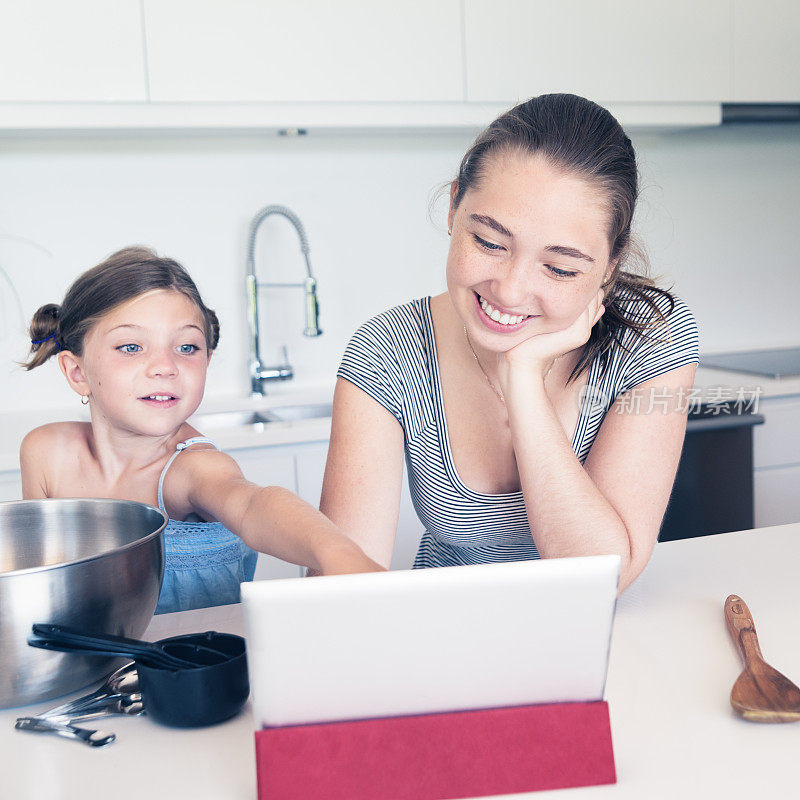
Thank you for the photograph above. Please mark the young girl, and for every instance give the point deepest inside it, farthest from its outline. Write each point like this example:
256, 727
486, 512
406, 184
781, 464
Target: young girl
134, 339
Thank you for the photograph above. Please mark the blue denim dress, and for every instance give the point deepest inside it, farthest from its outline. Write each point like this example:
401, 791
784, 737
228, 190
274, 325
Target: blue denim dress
204, 562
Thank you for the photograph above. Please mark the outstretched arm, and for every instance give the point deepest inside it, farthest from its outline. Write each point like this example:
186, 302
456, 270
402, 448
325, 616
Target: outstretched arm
269, 519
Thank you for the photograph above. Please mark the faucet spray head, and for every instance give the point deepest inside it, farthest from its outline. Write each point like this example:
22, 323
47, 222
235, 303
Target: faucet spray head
312, 308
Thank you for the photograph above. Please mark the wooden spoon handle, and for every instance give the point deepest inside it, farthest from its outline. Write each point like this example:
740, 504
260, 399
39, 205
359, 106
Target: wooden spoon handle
742, 628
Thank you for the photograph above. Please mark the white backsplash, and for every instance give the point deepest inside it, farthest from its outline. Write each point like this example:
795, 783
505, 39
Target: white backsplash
718, 208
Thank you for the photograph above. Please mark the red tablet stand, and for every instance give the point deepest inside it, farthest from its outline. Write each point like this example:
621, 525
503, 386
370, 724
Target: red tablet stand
438, 756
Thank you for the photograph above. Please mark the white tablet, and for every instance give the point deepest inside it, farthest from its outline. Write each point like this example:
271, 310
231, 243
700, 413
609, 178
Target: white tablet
429, 640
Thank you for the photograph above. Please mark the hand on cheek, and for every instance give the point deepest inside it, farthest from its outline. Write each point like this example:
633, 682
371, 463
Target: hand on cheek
536, 356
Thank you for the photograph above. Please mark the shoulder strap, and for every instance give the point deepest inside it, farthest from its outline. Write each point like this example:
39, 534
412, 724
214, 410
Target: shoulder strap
180, 446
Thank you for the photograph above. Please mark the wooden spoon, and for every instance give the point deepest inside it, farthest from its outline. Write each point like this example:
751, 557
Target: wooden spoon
761, 693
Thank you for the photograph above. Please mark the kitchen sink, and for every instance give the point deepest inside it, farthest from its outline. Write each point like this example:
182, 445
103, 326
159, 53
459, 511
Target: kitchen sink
298, 412
236, 419
230, 419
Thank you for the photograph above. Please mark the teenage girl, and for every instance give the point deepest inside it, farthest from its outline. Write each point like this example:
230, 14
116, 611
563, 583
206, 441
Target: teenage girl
538, 403
134, 339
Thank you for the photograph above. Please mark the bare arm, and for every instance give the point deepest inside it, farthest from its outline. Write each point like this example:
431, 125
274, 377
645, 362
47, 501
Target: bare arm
616, 501
364, 472
269, 519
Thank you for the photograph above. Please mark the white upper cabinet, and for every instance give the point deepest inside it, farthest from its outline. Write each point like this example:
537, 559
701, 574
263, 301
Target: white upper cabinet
766, 56
659, 51
71, 51
362, 64
311, 51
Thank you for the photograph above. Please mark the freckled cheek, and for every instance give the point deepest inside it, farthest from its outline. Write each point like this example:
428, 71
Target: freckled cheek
564, 302
467, 269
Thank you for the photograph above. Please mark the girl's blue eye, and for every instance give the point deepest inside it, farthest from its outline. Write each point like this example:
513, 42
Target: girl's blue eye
129, 348
188, 349
561, 273
487, 245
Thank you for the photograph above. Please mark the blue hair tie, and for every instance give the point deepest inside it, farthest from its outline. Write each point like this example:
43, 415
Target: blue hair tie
51, 336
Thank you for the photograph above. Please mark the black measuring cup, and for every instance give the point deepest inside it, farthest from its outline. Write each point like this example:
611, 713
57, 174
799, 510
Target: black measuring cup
202, 695
71, 640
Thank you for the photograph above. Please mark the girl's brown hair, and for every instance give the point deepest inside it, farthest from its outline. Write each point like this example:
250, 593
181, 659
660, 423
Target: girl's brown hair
124, 275
581, 137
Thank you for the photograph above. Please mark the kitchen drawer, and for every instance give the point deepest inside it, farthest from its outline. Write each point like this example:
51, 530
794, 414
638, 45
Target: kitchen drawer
777, 441
777, 496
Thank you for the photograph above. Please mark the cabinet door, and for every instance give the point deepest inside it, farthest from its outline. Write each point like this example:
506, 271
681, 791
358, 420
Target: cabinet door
267, 50
777, 496
606, 50
77, 51
777, 442
766, 54
269, 466
310, 472
10, 486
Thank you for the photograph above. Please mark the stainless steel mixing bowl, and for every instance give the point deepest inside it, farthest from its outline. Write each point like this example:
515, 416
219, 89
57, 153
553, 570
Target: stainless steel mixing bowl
93, 564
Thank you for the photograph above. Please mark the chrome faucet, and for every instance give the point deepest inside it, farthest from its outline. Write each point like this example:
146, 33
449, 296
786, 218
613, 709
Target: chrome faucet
281, 372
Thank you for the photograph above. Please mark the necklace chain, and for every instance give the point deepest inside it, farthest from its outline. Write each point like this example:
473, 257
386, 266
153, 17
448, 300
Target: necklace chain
496, 391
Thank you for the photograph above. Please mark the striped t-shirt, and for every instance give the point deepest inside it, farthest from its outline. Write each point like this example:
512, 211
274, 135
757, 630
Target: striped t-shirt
393, 358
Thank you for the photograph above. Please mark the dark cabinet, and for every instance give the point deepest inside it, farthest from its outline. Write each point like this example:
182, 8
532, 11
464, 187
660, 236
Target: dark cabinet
713, 490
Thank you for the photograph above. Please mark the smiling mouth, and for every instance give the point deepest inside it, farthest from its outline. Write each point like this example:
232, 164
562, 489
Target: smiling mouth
159, 398
501, 317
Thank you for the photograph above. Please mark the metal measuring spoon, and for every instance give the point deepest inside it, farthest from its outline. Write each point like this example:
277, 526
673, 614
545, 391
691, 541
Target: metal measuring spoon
38, 725
121, 683
128, 705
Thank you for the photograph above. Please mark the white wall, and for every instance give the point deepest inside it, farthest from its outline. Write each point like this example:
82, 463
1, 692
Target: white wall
718, 209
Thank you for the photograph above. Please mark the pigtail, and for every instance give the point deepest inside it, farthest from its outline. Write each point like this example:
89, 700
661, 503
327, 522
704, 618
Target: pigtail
212, 327
44, 333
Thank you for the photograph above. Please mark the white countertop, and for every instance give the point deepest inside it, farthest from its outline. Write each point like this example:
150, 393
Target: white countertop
711, 384
708, 380
671, 670
14, 425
